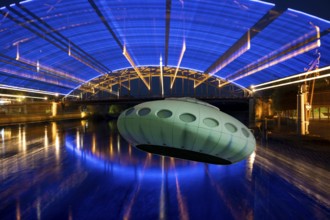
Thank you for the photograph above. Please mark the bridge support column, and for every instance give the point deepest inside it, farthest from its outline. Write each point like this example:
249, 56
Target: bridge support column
302, 119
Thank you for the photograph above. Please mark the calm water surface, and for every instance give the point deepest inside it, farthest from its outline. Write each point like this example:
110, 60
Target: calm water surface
85, 170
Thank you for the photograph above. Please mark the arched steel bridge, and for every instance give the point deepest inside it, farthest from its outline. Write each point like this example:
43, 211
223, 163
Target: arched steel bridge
121, 84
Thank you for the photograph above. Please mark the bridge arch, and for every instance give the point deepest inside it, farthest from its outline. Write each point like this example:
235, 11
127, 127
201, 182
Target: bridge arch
126, 83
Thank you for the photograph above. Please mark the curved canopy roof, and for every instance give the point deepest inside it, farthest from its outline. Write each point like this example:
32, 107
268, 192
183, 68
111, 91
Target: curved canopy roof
57, 45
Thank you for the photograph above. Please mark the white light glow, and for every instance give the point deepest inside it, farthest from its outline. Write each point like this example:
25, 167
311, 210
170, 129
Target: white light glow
38, 66
161, 75
262, 2
3, 134
5, 101
78, 139
21, 96
291, 77
293, 82
26, 1
22, 89
46, 141
17, 52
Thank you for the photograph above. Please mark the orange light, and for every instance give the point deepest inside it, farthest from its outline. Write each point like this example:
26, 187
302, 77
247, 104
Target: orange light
129, 59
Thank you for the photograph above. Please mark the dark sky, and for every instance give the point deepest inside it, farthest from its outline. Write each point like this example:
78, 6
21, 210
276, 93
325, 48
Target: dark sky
320, 8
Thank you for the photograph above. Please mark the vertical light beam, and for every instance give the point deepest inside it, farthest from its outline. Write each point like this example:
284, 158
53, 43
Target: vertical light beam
17, 52
161, 75
130, 60
38, 66
179, 62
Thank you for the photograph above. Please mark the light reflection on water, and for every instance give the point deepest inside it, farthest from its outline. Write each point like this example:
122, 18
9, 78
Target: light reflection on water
84, 170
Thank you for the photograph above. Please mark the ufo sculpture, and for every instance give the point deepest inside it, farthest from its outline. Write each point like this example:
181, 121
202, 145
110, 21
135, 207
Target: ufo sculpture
186, 128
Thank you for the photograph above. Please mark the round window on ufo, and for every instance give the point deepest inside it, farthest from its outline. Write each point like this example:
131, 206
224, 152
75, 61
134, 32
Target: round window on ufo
164, 113
245, 132
144, 111
187, 117
230, 127
129, 111
210, 122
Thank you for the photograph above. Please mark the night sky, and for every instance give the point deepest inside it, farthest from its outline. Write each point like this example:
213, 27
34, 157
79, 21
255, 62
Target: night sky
318, 8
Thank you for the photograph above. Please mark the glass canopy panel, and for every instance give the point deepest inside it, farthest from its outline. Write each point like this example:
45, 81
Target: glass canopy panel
210, 28
289, 27
69, 44
325, 50
78, 31
29, 55
272, 73
140, 26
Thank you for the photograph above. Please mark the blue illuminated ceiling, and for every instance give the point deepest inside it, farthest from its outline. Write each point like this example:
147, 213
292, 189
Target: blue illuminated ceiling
57, 45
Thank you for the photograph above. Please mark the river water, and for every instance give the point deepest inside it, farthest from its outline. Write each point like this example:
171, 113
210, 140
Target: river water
85, 170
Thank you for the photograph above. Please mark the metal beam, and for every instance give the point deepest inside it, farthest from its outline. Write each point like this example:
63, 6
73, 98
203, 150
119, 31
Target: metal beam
167, 28
69, 44
229, 55
106, 24
59, 43
122, 47
42, 33
28, 67
47, 35
301, 45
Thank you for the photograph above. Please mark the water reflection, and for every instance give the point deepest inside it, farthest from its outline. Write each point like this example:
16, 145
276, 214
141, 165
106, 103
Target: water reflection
84, 170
